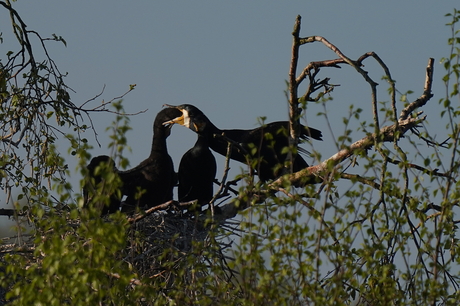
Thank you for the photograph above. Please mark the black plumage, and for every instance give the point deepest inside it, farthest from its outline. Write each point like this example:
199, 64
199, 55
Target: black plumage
197, 171
265, 146
155, 176
95, 178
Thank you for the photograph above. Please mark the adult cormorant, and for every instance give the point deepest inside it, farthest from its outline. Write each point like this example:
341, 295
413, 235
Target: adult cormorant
266, 144
151, 182
95, 178
197, 171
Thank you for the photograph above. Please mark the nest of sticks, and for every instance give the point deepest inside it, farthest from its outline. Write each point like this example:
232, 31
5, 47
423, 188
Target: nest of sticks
166, 247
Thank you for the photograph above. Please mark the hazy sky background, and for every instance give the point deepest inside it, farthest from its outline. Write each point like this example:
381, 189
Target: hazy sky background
231, 58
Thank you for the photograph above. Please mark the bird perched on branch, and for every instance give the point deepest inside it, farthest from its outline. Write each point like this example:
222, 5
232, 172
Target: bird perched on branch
151, 182
97, 175
263, 148
197, 171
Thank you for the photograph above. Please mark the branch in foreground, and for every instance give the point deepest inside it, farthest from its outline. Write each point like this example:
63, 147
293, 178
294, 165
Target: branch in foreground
427, 95
386, 134
294, 123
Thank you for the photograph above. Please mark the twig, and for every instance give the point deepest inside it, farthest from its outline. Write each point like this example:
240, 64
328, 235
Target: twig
150, 211
425, 97
224, 179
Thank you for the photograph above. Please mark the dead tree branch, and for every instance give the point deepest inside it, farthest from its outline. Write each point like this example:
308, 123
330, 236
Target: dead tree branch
386, 134
427, 94
294, 114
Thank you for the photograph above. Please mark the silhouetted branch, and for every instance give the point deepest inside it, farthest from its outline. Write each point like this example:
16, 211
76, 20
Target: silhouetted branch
294, 124
386, 134
427, 94
146, 213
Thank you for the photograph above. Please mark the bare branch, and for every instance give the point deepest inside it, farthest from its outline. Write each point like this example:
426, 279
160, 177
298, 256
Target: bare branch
386, 134
150, 211
427, 94
294, 114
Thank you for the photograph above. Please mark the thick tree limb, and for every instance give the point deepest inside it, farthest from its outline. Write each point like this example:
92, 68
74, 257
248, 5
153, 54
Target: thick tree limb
386, 134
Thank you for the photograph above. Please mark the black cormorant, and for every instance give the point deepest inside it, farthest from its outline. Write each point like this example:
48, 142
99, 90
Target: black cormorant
197, 171
267, 144
155, 176
95, 178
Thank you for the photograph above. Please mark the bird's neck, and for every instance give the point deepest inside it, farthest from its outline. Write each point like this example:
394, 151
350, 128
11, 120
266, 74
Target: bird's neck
159, 141
201, 143
211, 130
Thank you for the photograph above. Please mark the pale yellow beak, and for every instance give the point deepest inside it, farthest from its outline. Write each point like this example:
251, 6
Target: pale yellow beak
183, 120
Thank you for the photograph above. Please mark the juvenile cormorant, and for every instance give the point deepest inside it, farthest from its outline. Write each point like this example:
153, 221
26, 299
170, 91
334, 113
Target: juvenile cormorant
197, 171
266, 144
90, 187
155, 176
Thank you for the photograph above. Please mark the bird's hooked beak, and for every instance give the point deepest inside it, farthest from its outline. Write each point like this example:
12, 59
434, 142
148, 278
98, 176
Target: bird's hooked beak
183, 120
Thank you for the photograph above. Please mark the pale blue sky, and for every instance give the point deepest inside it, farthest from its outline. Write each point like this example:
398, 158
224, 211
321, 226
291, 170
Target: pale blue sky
230, 58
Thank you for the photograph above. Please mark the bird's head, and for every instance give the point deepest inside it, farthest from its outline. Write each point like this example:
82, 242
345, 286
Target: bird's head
191, 117
164, 116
